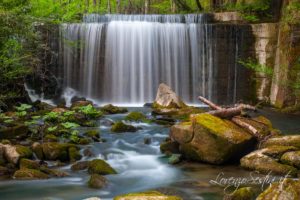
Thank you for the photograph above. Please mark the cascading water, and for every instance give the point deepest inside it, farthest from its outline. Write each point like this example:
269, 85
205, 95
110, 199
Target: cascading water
122, 59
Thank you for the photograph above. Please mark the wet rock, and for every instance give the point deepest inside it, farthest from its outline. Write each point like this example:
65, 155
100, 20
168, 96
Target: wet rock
287, 140
288, 189
53, 172
14, 153
291, 158
17, 131
38, 150
2, 155
106, 122
120, 127
147, 140
167, 98
99, 166
29, 174
29, 164
3, 171
149, 195
93, 133
92, 198
56, 151
74, 154
88, 152
50, 138
136, 116
174, 159
169, 146
81, 103
246, 193
80, 166
258, 161
211, 139
84, 141
59, 110
97, 181
277, 151
42, 105
111, 109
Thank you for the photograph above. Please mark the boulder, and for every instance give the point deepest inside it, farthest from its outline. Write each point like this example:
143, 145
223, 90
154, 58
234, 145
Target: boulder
80, 166
29, 174
93, 133
136, 116
169, 147
111, 109
14, 153
97, 181
287, 189
291, 158
37, 149
167, 98
81, 103
74, 154
120, 127
3, 171
53, 172
210, 139
277, 151
246, 193
258, 161
19, 130
287, 140
98, 166
57, 151
29, 164
149, 195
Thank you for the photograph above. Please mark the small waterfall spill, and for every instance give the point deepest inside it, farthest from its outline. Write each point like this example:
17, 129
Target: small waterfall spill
122, 59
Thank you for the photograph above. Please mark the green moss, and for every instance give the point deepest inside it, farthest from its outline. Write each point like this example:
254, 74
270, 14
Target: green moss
74, 154
84, 141
111, 109
246, 193
24, 152
93, 133
27, 174
51, 138
29, 164
120, 127
136, 116
56, 151
99, 166
148, 195
97, 181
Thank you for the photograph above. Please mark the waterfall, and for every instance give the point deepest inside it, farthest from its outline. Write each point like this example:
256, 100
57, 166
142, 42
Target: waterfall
121, 59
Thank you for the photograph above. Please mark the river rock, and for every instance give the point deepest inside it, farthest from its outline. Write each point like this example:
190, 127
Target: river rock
167, 98
14, 153
37, 149
288, 189
150, 195
287, 140
29, 174
169, 147
258, 161
291, 158
53, 172
120, 127
98, 166
111, 109
97, 181
58, 151
81, 103
82, 165
19, 130
246, 193
74, 154
29, 164
211, 139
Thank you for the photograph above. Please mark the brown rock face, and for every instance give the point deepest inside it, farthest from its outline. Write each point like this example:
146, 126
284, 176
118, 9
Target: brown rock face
167, 98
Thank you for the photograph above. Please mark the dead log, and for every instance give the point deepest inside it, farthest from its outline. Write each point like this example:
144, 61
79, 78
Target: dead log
238, 120
209, 103
226, 112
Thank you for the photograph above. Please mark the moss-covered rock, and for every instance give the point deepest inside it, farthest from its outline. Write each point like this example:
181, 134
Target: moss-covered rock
4, 172
149, 195
51, 138
278, 151
111, 109
258, 161
174, 159
97, 181
53, 172
93, 133
288, 189
28, 174
169, 147
246, 193
74, 154
56, 151
99, 166
77, 104
29, 164
37, 149
80, 166
210, 139
136, 116
84, 141
120, 127
14, 153
19, 130
291, 158
287, 140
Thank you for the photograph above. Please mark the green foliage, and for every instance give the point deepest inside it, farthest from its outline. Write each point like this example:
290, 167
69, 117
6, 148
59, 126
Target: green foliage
51, 117
74, 136
292, 13
90, 111
23, 107
52, 128
69, 113
21, 113
69, 125
256, 67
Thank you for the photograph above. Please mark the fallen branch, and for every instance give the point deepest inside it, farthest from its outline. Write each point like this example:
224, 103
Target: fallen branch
209, 103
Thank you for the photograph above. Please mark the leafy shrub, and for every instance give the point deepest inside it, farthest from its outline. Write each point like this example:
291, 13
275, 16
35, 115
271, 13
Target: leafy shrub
90, 111
256, 67
69, 125
23, 107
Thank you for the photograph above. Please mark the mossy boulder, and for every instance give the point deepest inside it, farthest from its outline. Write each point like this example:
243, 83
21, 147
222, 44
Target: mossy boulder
169, 147
246, 193
174, 159
288, 189
98, 166
210, 139
277, 151
50, 138
77, 104
291, 158
29, 174
84, 141
80, 166
14, 153
260, 162
53, 172
37, 149
97, 181
93, 133
29, 164
57, 151
74, 154
148, 195
136, 116
111, 109
16, 131
120, 127
286, 140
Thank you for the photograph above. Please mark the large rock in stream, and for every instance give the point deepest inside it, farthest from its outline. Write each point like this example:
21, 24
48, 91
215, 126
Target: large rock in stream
210, 139
149, 195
